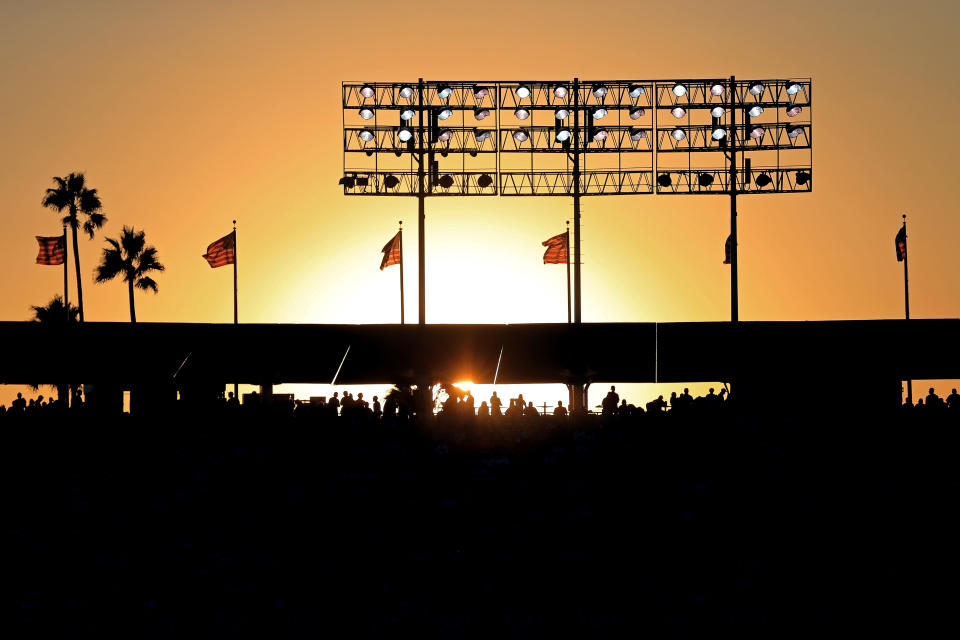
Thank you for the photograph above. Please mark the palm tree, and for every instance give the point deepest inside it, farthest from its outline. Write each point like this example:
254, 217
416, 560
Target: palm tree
54, 314
71, 195
132, 258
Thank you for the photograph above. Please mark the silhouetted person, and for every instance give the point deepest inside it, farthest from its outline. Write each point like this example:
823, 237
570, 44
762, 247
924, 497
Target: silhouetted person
521, 402
530, 411
609, 404
483, 411
376, 407
232, 402
19, 405
495, 404
468, 403
953, 400
656, 406
334, 403
560, 410
513, 410
933, 400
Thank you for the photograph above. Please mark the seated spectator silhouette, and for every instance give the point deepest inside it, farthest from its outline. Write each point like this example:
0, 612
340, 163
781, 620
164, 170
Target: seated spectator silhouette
531, 411
560, 410
656, 406
232, 402
514, 409
483, 411
623, 409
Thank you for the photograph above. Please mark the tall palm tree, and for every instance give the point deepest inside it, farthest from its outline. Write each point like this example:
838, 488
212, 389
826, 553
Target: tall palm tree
72, 195
131, 258
54, 314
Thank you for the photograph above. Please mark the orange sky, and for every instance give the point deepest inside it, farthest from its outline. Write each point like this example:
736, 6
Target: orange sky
186, 115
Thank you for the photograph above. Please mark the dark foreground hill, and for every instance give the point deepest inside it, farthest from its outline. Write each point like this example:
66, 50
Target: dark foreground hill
231, 524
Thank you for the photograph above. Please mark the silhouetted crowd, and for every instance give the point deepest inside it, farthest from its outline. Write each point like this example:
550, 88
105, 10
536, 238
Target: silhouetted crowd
675, 519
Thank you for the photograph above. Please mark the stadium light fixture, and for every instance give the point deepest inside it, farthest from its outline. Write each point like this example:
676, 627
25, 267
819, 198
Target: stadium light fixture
794, 132
391, 182
407, 114
480, 114
600, 135
664, 180
523, 91
406, 92
445, 135
520, 135
366, 113
563, 135
599, 113
637, 112
678, 112
479, 93
637, 134
793, 110
484, 181
756, 89
719, 133
757, 132
561, 114
366, 135
793, 88
445, 113
717, 112
481, 134
444, 91
678, 134
755, 111
705, 179
600, 90
367, 91
803, 178
716, 89
763, 180
522, 114
679, 90
405, 134
636, 91
560, 91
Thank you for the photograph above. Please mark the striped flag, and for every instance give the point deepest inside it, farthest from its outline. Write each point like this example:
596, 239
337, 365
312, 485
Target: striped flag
902, 244
557, 249
391, 252
52, 250
728, 250
222, 252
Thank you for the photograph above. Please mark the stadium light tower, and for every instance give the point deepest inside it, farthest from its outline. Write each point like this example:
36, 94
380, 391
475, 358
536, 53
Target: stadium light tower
574, 139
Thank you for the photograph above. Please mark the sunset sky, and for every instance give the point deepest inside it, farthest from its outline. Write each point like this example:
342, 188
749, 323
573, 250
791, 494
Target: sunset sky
186, 115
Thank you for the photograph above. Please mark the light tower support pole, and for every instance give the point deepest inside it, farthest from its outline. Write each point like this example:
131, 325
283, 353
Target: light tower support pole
734, 299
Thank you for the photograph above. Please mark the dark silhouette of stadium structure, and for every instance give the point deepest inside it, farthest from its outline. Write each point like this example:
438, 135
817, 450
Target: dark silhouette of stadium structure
766, 360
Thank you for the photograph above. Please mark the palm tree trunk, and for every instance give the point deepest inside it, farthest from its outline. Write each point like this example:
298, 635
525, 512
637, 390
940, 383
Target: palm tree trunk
76, 262
133, 311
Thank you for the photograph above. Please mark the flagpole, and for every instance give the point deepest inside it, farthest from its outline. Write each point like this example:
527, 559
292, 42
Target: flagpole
568, 272
401, 272
236, 386
906, 296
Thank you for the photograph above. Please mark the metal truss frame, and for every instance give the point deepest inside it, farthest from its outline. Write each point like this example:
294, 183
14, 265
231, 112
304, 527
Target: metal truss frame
638, 144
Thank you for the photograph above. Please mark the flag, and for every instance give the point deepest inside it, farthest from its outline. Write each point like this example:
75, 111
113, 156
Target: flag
557, 248
52, 250
223, 251
728, 250
391, 252
902, 244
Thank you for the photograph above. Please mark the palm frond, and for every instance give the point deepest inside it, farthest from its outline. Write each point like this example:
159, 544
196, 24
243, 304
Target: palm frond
93, 222
111, 264
76, 182
57, 199
89, 201
149, 261
132, 241
146, 282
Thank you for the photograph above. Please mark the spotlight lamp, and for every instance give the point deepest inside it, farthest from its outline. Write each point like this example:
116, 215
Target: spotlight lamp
678, 134
523, 91
803, 178
560, 91
793, 110
717, 112
705, 179
716, 89
763, 180
520, 135
719, 133
679, 90
794, 132
636, 91
407, 114
793, 88
366, 113
445, 113
480, 114
484, 181
406, 92
599, 90
405, 134
600, 135
349, 181
664, 180
391, 182
563, 135
637, 112
522, 114
599, 112
446, 181
756, 88
481, 134
444, 91
366, 135
366, 91
445, 135
755, 111
757, 132
362, 181
637, 134
479, 93
562, 114
678, 112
